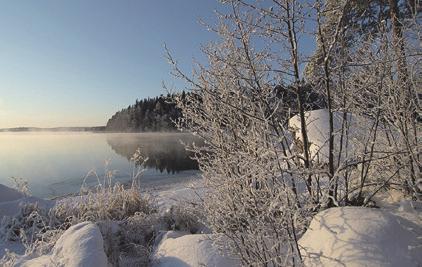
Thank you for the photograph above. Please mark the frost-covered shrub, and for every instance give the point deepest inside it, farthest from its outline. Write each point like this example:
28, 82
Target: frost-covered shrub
126, 219
107, 200
9, 259
263, 184
27, 226
104, 203
128, 225
21, 185
139, 232
124, 215
129, 241
32, 227
184, 218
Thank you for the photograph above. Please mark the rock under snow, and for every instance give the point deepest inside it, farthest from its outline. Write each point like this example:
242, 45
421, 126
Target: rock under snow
353, 236
317, 125
178, 250
80, 246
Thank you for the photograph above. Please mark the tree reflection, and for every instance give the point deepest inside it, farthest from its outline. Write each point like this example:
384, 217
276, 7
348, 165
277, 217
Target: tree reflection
165, 151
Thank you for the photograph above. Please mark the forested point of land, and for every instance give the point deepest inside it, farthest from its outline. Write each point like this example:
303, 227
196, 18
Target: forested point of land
159, 113
147, 115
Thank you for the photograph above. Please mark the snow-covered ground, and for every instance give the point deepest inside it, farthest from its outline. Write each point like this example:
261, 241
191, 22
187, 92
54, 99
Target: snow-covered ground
79, 246
11, 202
178, 249
347, 236
12, 207
355, 236
183, 192
9, 194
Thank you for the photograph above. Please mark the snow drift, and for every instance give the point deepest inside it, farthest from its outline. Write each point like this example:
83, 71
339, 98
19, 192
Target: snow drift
9, 194
178, 250
11, 201
80, 246
353, 236
317, 125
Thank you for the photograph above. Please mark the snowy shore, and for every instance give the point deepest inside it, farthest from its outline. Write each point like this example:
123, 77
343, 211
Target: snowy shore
390, 235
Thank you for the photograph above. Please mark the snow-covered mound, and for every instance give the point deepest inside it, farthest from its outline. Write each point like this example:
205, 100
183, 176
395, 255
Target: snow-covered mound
317, 125
9, 194
179, 193
80, 246
353, 236
12, 208
178, 250
12, 200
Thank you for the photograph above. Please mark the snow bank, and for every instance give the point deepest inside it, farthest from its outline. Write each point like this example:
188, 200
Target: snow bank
12, 208
80, 246
353, 236
12, 200
317, 125
178, 250
186, 192
9, 194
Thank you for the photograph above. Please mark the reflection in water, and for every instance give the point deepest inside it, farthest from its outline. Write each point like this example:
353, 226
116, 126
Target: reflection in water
165, 151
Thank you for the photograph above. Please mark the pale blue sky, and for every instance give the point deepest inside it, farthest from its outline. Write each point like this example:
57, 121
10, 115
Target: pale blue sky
76, 62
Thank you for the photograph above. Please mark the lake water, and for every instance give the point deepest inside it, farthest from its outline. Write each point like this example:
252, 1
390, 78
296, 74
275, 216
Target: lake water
55, 163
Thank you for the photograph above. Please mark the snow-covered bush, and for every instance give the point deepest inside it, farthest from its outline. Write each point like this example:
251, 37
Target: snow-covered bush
30, 219
21, 185
184, 218
139, 232
126, 219
263, 185
107, 200
130, 241
113, 202
31, 226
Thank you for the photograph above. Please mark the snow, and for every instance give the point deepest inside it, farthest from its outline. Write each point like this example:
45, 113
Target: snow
178, 250
80, 246
12, 200
354, 236
317, 125
11, 246
12, 208
347, 236
185, 192
9, 194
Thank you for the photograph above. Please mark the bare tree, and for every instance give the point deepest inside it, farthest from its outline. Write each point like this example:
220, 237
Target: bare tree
267, 174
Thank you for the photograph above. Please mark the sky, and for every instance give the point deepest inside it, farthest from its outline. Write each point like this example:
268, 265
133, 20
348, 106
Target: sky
77, 62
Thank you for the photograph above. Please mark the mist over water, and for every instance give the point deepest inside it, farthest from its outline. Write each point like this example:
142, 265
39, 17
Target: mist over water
55, 163
165, 151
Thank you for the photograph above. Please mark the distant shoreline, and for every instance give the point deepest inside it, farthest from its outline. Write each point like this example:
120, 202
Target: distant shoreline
94, 129
55, 129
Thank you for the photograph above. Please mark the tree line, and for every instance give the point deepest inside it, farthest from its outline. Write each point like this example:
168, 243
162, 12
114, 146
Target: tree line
160, 113
147, 115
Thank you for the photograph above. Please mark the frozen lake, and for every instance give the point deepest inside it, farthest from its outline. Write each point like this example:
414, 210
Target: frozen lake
55, 163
